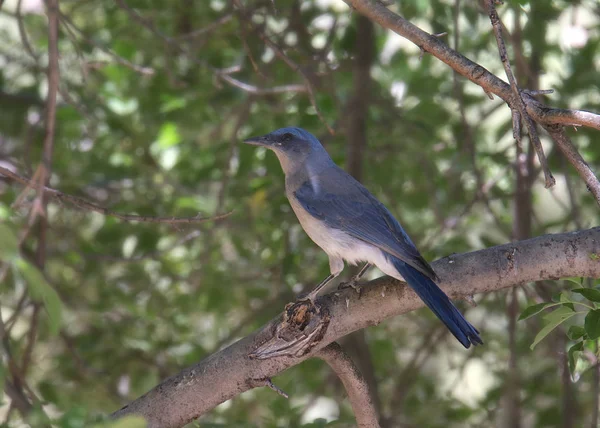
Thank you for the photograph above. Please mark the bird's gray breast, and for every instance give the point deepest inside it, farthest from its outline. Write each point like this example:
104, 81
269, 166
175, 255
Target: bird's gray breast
333, 241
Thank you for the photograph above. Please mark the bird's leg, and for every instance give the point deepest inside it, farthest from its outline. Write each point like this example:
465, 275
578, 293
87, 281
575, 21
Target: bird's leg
354, 280
336, 266
313, 294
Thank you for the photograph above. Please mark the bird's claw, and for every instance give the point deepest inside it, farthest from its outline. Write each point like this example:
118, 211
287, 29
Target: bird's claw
308, 297
350, 284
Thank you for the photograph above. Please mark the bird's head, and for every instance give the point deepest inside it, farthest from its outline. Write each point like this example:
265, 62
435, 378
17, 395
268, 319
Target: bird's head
286, 139
293, 146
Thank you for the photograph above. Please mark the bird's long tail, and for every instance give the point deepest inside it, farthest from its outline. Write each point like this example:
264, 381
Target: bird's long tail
439, 303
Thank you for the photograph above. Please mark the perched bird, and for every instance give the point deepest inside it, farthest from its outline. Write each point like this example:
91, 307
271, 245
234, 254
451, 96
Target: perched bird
343, 218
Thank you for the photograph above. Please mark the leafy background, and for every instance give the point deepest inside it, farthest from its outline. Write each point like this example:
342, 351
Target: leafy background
149, 122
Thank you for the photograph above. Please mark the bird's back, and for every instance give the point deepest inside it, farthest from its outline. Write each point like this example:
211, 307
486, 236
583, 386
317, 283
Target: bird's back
333, 197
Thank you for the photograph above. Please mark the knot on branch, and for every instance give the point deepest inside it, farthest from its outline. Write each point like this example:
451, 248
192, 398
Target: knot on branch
300, 330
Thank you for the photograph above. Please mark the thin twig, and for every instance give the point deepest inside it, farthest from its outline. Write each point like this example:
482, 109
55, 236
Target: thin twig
208, 29
143, 21
255, 90
23, 33
291, 63
354, 383
567, 148
268, 383
69, 25
517, 101
39, 205
86, 205
595, 393
222, 74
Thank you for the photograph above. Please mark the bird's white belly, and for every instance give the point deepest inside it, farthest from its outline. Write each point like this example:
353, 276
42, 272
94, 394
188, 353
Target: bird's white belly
339, 244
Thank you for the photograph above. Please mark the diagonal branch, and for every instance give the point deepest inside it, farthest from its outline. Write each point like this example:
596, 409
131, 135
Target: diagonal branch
517, 102
229, 372
355, 384
567, 148
377, 12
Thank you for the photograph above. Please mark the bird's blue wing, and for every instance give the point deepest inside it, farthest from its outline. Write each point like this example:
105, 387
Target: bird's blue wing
343, 203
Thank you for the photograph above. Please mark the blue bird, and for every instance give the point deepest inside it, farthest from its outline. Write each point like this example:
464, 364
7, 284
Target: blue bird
343, 218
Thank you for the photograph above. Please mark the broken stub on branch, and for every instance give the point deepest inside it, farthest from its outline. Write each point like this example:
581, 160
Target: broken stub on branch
300, 330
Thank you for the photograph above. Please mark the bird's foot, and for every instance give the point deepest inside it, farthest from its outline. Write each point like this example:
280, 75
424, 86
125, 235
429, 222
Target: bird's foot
311, 298
353, 283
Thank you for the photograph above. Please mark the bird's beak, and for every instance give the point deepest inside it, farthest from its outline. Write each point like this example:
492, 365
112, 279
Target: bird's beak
258, 141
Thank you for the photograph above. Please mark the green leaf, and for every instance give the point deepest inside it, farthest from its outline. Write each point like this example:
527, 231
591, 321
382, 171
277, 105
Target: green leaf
535, 309
566, 301
574, 353
575, 280
576, 332
553, 320
9, 249
41, 291
168, 135
589, 293
592, 324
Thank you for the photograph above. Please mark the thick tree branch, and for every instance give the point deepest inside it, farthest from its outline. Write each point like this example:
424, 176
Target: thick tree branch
377, 12
355, 384
229, 372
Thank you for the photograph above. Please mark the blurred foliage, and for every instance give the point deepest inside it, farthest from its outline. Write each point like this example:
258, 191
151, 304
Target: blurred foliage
147, 124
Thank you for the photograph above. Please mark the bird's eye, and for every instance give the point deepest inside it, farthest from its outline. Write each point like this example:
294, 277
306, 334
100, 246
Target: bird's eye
287, 136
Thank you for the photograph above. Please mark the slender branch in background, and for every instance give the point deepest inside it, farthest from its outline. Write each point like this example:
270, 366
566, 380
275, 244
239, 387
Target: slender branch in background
144, 22
42, 177
86, 205
468, 133
376, 11
291, 63
70, 27
18, 399
512, 385
255, 90
410, 373
23, 33
13, 386
45, 167
567, 148
517, 102
595, 394
229, 372
208, 29
355, 116
522, 212
354, 383
569, 393
221, 74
